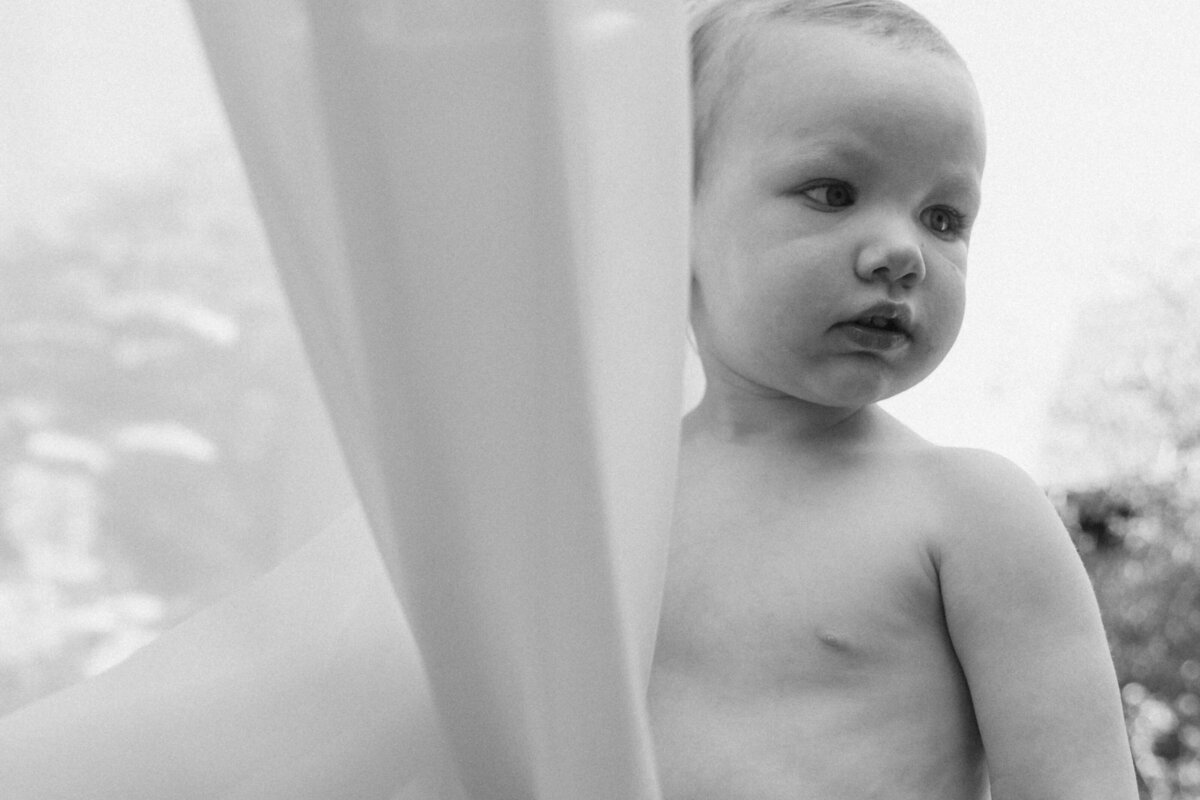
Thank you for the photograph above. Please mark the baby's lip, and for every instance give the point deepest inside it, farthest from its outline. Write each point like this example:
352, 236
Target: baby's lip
886, 316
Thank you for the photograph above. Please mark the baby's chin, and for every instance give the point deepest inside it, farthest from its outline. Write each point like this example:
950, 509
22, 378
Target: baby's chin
867, 390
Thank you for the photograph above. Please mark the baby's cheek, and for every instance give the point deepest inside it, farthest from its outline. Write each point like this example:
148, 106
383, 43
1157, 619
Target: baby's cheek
941, 333
953, 311
782, 321
947, 294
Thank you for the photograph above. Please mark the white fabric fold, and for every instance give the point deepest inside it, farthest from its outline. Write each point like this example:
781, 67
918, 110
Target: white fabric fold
479, 210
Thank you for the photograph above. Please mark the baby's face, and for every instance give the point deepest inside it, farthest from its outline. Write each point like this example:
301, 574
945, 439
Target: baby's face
829, 245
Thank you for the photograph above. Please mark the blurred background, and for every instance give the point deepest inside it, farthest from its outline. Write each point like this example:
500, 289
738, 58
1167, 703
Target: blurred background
153, 392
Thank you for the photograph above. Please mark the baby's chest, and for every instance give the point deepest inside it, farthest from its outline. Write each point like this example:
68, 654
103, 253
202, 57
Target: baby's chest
810, 598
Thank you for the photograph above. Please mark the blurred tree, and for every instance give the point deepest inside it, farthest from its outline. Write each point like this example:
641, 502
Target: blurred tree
148, 364
1126, 442
1128, 403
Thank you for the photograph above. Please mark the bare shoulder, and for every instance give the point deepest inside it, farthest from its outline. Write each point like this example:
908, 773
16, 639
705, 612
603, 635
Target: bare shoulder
968, 492
987, 500
965, 473
968, 498
971, 471
1000, 544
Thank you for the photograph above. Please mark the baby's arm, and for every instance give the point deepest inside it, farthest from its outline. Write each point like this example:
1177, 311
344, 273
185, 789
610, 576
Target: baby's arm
1026, 628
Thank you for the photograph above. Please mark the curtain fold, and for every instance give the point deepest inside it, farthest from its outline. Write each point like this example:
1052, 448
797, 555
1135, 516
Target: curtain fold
479, 212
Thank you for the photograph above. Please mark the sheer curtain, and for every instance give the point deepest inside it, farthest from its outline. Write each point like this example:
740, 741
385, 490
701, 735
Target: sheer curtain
479, 212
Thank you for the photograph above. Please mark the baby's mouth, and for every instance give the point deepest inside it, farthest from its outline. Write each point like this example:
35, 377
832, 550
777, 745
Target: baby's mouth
881, 323
882, 327
886, 316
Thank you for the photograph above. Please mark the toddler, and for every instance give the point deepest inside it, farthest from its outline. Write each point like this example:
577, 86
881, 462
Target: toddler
852, 612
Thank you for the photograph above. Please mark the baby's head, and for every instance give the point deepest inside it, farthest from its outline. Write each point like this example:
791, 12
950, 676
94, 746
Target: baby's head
722, 34
839, 152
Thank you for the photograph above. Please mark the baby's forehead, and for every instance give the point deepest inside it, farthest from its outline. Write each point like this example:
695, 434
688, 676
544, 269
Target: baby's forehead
732, 49
745, 44
824, 60
848, 97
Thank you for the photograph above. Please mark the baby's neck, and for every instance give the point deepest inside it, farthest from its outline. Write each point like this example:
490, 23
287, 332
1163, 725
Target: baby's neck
777, 417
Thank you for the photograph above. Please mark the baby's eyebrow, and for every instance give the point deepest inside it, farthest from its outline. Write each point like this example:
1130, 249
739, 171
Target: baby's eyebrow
833, 153
963, 184
842, 148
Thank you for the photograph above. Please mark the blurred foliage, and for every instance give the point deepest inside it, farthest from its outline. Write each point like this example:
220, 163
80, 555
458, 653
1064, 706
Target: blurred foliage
1139, 543
147, 357
1127, 444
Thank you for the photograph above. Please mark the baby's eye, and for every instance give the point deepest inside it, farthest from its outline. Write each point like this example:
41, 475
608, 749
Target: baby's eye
831, 194
944, 221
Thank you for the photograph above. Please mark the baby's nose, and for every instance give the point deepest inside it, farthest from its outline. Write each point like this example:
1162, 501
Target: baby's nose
894, 257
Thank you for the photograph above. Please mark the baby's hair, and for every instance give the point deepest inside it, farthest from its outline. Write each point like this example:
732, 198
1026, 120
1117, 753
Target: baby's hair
721, 31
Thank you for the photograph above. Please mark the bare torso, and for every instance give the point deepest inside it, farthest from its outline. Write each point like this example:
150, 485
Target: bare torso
803, 652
